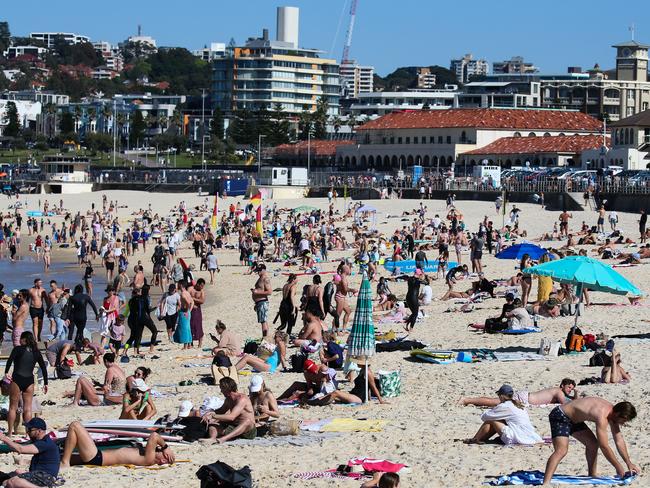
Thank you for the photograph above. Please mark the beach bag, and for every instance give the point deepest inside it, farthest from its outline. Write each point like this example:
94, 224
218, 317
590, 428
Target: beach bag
494, 326
221, 475
219, 372
63, 371
390, 383
284, 427
549, 347
600, 358
574, 340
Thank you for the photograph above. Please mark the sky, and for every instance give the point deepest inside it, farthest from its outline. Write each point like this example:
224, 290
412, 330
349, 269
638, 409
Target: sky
388, 34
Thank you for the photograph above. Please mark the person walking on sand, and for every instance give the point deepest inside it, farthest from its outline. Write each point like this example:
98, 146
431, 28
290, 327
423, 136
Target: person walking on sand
569, 420
260, 295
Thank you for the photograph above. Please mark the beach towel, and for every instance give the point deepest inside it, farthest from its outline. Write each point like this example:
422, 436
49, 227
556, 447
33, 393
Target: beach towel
520, 356
353, 425
520, 331
537, 477
332, 475
374, 465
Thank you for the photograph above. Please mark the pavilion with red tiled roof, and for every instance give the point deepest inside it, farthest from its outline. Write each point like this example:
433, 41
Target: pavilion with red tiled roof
322, 152
440, 138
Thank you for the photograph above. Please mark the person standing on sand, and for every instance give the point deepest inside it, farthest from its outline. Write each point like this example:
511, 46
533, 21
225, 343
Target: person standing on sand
196, 321
260, 295
643, 220
569, 420
37, 300
183, 332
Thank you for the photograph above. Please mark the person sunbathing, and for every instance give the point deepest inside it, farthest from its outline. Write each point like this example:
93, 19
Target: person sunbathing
330, 394
155, 452
110, 393
549, 308
387, 305
267, 362
509, 420
235, 419
562, 394
614, 372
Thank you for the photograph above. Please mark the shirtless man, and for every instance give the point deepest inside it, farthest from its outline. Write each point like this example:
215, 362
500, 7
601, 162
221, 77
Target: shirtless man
311, 330
19, 316
138, 278
37, 302
156, 451
53, 297
565, 393
564, 223
342, 290
235, 419
570, 420
600, 225
260, 294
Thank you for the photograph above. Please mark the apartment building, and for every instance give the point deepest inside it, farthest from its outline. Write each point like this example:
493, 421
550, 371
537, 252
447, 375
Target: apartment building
514, 65
467, 66
356, 79
50, 38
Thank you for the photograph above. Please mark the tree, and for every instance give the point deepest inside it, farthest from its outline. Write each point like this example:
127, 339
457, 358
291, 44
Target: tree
305, 126
242, 130
280, 129
12, 127
138, 128
67, 123
98, 142
4, 82
5, 36
319, 118
217, 128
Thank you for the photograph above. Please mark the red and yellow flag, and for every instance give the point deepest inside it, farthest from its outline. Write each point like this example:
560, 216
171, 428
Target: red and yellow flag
256, 199
258, 221
215, 213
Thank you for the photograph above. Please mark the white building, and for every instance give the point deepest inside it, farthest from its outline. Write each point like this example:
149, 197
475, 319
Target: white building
356, 79
112, 58
515, 65
36, 96
27, 113
49, 38
148, 40
382, 103
17, 51
426, 79
467, 66
215, 50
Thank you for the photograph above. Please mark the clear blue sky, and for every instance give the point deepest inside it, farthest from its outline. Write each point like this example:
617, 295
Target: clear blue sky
388, 33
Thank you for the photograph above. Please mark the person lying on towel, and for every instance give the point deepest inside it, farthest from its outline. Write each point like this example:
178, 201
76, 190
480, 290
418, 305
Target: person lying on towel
156, 452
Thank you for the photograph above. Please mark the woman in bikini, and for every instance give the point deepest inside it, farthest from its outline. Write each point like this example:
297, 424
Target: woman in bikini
112, 390
137, 404
23, 358
47, 254
314, 298
526, 279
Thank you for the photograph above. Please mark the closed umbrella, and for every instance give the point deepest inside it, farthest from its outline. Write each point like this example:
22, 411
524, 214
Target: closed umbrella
518, 250
361, 341
585, 272
304, 209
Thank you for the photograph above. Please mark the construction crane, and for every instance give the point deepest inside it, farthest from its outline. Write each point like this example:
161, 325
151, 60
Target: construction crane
348, 37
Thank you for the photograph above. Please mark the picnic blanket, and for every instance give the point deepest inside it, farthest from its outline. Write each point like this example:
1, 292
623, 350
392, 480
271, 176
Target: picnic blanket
343, 425
537, 477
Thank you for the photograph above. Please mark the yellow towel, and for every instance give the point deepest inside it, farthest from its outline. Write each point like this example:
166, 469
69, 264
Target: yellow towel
133, 466
354, 425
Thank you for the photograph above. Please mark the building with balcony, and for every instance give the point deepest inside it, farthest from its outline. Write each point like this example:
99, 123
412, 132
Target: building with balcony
630, 145
356, 79
426, 79
264, 73
436, 138
50, 38
382, 103
467, 67
212, 52
13, 52
42, 97
515, 65
113, 60
501, 92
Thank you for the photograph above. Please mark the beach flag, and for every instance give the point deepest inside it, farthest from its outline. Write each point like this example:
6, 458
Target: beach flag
258, 220
256, 199
215, 213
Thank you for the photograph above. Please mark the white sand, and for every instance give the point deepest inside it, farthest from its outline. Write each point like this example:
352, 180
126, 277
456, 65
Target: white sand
424, 421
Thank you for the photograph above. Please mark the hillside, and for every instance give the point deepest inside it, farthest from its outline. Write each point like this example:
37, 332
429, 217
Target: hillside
406, 77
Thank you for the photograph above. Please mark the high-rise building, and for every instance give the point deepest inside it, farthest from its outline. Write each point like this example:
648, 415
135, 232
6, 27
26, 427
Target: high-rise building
426, 79
467, 66
264, 73
356, 79
515, 65
49, 38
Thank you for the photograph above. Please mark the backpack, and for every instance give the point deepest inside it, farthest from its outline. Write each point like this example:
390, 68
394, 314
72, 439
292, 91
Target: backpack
224, 476
494, 326
600, 358
63, 371
575, 341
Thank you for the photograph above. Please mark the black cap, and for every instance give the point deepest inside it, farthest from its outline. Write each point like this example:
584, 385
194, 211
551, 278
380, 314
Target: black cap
506, 390
36, 423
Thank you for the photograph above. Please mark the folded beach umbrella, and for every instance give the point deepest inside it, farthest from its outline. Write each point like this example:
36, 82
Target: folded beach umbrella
361, 341
585, 272
304, 209
518, 250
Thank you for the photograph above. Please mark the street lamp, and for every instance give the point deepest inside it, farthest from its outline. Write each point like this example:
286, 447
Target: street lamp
259, 152
202, 127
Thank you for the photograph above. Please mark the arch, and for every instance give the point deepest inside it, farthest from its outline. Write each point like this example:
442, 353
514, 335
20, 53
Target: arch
409, 160
426, 160
394, 162
517, 134
371, 161
347, 161
561, 133
546, 134
386, 161
450, 160
532, 134
434, 161
463, 137
353, 161
363, 161
508, 163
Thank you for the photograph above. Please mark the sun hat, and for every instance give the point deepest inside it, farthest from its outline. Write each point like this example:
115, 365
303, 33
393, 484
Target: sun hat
185, 409
140, 385
256, 383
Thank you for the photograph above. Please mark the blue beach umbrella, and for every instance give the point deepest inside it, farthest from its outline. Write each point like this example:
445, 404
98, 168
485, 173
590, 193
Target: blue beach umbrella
518, 250
585, 272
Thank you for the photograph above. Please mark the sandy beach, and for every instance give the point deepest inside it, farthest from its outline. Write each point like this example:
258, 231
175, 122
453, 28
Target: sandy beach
423, 424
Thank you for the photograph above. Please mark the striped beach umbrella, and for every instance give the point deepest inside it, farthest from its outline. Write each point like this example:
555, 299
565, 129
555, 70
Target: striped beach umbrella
361, 341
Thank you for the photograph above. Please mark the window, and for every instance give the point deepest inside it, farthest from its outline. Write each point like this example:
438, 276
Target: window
448, 139
532, 134
517, 134
439, 139
432, 140
392, 140
416, 140
383, 140
408, 140
399, 140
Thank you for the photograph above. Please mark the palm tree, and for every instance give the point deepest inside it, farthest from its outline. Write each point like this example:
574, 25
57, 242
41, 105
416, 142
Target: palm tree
50, 109
163, 123
107, 114
91, 113
337, 123
176, 120
122, 119
77, 117
352, 122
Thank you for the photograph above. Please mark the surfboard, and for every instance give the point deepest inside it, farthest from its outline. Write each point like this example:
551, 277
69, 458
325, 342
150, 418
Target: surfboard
128, 425
133, 433
408, 266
